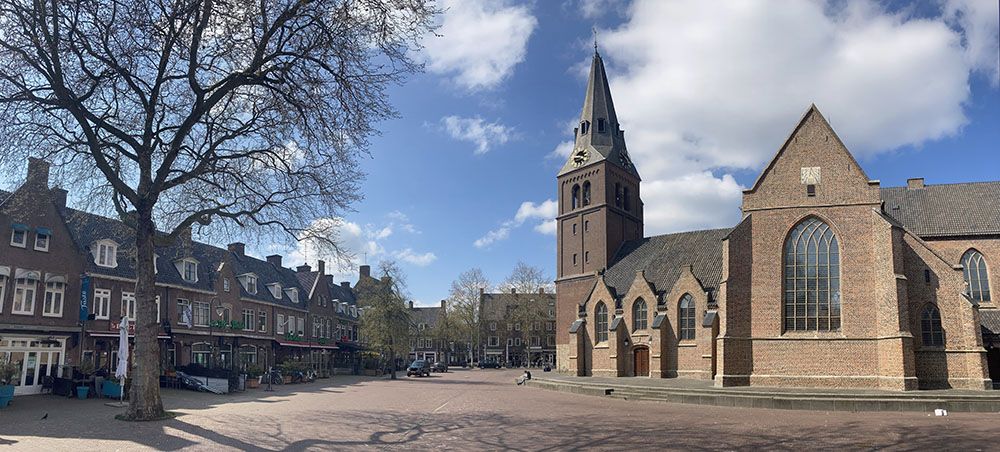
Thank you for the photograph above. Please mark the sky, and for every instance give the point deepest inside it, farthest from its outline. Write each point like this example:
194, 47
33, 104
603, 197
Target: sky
706, 92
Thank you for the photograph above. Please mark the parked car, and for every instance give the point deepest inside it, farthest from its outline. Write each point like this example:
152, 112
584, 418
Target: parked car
439, 367
489, 365
419, 368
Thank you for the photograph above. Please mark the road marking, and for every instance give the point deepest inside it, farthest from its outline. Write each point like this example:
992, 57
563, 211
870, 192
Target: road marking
442, 406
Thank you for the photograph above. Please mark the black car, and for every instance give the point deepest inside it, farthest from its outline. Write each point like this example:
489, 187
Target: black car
489, 365
419, 368
439, 367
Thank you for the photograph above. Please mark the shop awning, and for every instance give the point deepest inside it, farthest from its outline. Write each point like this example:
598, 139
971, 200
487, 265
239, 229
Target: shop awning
305, 345
20, 227
45, 231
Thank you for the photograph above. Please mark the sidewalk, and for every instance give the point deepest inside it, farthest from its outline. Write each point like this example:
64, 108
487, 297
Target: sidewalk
703, 392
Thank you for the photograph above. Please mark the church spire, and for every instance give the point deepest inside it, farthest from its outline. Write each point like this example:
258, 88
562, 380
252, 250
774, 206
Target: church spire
598, 134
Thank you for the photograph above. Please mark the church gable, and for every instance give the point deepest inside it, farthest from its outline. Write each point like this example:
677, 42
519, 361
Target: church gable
812, 168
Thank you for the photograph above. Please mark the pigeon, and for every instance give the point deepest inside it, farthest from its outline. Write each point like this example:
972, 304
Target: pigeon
45, 417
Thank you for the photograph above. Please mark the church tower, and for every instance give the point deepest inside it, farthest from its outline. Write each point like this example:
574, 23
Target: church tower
599, 203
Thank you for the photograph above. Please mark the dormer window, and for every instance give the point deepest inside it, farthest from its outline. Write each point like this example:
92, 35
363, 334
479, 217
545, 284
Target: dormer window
106, 254
601, 128
249, 282
188, 268
19, 235
275, 289
293, 294
42, 239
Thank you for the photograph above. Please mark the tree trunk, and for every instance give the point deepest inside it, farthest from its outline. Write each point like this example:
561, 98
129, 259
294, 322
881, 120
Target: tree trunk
392, 365
144, 397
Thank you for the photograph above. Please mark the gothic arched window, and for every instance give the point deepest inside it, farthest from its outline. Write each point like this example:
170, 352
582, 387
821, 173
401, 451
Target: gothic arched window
930, 327
601, 322
575, 197
586, 193
639, 321
976, 276
812, 278
685, 318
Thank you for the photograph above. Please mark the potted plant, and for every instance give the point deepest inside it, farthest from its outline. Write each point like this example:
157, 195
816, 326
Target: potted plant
8, 373
253, 376
87, 369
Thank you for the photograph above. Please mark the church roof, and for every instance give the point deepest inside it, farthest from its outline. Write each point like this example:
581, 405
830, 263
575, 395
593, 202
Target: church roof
599, 131
946, 209
664, 257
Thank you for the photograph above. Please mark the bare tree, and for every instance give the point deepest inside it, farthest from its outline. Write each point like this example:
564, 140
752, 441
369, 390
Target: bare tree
525, 279
242, 114
386, 322
464, 306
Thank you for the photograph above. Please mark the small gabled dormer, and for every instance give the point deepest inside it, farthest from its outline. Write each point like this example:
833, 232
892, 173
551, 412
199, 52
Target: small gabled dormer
275, 289
105, 253
188, 269
249, 282
293, 294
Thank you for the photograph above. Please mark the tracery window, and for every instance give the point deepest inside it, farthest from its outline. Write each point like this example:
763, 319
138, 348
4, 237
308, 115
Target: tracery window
601, 322
639, 321
976, 276
685, 318
930, 327
812, 278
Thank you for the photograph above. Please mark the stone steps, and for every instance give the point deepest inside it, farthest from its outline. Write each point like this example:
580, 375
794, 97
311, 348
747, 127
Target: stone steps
818, 401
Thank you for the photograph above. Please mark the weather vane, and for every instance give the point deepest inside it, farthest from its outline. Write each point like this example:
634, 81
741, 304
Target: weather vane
594, 30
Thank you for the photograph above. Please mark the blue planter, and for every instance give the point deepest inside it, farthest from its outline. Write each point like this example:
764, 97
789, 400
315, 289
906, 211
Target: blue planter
111, 389
6, 394
82, 392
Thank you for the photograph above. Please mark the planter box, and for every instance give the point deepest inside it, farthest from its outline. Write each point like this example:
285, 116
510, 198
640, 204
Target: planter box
111, 389
253, 383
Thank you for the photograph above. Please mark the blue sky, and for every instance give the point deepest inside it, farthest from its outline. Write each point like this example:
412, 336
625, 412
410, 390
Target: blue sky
706, 94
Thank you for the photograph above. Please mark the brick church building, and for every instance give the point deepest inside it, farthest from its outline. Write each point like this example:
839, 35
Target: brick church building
829, 279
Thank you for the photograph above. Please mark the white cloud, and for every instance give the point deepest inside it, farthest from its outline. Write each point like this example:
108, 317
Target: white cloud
592, 9
361, 244
979, 23
562, 150
707, 88
418, 259
544, 211
480, 42
485, 135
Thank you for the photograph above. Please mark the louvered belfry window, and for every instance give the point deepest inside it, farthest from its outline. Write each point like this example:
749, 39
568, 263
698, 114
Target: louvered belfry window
812, 278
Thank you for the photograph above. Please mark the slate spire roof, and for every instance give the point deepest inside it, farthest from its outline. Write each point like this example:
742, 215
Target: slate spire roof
599, 131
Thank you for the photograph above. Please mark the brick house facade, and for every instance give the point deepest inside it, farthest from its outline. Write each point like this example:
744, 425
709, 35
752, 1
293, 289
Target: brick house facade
518, 328
829, 280
67, 277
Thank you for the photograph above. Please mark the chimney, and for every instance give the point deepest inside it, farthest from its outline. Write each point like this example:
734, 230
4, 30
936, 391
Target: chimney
38, 173
513, 290
237, 248
345, 284
321, 267
304, 268
411, 304
481, 292
541, 290
915, 183
184, 236
274, 259
366, 270
386, 280
59, 197
444, 304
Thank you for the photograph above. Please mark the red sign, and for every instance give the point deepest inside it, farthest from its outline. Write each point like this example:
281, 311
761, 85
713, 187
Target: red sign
114, 326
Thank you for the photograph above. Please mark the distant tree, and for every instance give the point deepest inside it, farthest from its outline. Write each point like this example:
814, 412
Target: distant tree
173, 114
525, 278
464, 308
386, 323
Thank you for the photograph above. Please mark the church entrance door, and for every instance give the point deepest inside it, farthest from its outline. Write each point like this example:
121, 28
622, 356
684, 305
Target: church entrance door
641, 362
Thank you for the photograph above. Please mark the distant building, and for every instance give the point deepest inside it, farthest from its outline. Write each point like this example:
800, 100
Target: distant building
518, 328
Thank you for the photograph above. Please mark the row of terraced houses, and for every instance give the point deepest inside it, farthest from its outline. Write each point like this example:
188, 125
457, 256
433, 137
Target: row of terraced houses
67, 277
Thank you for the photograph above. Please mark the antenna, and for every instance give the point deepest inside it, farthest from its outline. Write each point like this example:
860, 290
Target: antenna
593, 29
